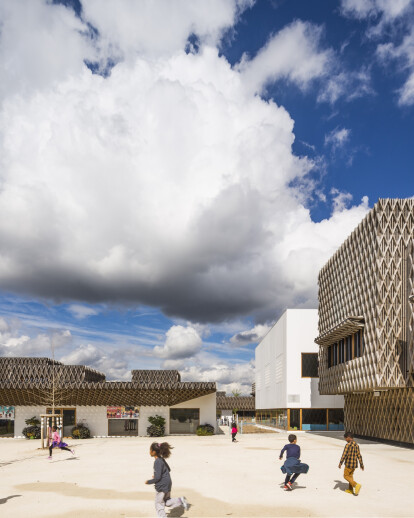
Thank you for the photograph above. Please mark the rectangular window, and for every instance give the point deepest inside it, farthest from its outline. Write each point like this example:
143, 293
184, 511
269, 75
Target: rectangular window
348, 348
359, 343
313, 418
330, 356
184, 420
336, 418
6, 428
341, 351
310, 365
123, 427
335, 354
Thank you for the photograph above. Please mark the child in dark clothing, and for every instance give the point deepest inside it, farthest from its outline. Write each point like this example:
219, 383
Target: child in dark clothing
292, 464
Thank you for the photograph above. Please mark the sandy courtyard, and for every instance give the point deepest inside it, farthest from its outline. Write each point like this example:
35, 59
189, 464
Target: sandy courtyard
106, 478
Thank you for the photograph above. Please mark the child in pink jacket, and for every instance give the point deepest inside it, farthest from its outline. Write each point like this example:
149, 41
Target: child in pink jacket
56, 442
233, 432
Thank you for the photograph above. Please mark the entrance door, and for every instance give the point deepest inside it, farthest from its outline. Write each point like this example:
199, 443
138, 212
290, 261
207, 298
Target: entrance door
69, 419
294, 419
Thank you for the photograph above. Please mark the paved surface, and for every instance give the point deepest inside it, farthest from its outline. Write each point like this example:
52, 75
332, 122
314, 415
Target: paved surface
106, 479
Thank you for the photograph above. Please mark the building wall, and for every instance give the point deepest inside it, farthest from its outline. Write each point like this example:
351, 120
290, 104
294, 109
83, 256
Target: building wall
207, 406
270, 367
95, 418
369, 276
148, 411
25, 412
384, 415
279, 382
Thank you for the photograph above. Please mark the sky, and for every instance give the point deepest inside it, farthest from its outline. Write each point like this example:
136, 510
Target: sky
174, 174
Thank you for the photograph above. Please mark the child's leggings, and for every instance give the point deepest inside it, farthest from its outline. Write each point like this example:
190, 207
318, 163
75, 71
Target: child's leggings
291, 480
62, 448
164, 499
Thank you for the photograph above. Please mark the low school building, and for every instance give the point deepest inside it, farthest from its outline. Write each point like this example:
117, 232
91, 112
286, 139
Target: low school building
33, 386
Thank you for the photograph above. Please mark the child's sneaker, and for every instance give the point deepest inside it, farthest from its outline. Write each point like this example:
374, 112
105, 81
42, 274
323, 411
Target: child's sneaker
289, 484
349, 491
50, 456
357, 488
72, 452
184, 502
287, 488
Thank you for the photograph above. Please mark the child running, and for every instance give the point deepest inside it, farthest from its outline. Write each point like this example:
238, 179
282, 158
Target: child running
233, 432
162, 479
57, 442
292, 465
350, 456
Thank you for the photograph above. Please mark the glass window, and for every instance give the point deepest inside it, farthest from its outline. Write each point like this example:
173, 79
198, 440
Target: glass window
309, 365
294, 419
348, 348
359, 343
6, 428
335, 354
313, 419
184, 420
336, 418
341, 351
330, 356
123, 427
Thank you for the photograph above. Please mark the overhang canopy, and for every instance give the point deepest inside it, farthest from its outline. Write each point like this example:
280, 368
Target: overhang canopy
347, 327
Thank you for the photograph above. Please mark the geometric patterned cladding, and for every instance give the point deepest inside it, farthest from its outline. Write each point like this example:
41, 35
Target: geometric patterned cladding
29, 381
389, 415
224, 402
368, 283
371, 276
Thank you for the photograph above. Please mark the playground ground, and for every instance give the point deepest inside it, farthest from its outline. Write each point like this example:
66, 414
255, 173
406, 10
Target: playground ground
220, 479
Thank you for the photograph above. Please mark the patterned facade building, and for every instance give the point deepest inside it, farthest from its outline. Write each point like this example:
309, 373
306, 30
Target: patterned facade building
366, 323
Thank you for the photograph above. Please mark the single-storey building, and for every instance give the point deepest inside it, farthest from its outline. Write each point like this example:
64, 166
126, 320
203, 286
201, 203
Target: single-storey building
33, 386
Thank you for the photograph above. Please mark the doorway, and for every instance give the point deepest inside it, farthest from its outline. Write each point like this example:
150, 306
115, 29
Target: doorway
294, 419
68, 418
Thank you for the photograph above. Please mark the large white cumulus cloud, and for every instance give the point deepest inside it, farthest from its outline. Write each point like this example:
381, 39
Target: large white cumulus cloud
167, 183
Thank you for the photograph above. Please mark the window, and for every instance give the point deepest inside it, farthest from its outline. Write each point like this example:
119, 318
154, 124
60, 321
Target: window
6, 428
330, 356
341, 351
335, 354
184, 420
348, 341
314, 419
336, 418
359, 343
309, 365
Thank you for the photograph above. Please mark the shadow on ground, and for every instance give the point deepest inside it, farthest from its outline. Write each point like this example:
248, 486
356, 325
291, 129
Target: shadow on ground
340, 437
4, 500
201, 505
340, 485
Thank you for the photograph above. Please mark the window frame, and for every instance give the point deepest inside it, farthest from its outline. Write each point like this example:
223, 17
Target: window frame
301, 365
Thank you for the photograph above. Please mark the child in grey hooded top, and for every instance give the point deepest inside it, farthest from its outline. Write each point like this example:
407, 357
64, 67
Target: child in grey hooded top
162, 480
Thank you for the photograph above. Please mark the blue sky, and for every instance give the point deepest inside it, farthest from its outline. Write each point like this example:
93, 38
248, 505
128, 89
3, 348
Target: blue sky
174, 175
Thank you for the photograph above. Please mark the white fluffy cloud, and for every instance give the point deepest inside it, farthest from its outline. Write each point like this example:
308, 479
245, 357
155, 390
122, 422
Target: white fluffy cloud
385, 9
229, 376
168, 183
295, 53
180, 342
128, 28
337, 138
80, 311
111, 364
395, 44
14, 342
250, 336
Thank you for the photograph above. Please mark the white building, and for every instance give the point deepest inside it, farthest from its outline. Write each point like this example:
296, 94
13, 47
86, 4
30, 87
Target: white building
287, 394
